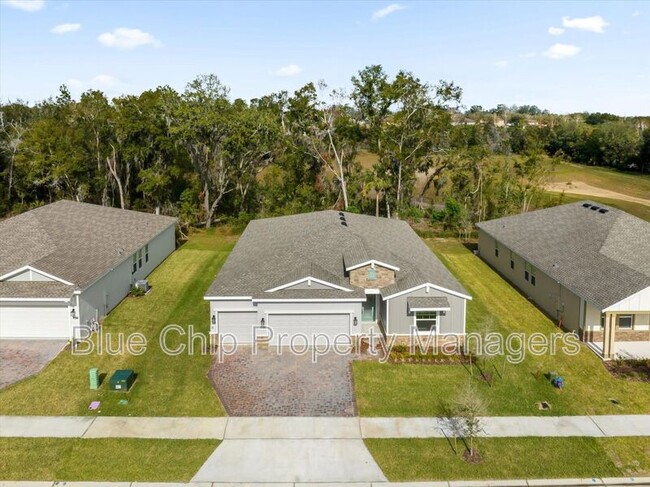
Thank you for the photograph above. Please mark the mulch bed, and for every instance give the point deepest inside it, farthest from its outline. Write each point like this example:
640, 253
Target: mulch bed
632, 370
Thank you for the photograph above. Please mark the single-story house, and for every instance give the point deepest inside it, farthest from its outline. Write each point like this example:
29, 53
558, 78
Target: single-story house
333, 273
66, 264
586, 265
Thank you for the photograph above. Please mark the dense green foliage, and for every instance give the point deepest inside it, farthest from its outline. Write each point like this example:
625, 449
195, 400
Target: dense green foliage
204, 157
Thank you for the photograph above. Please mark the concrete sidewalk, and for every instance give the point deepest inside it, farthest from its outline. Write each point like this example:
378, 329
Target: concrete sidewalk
314, 428
599, 482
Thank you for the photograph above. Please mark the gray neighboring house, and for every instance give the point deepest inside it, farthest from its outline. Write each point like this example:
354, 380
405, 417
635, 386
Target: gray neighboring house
66, 263
586, 265
333, 273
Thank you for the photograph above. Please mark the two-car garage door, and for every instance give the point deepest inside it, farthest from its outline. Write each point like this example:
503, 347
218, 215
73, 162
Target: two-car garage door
34, 320
285, 326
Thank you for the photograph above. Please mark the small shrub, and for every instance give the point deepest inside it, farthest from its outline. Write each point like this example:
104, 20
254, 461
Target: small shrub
137, 292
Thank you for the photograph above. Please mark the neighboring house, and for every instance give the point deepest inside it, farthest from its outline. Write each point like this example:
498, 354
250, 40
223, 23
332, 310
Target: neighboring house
65, 264
584, 264
333, 273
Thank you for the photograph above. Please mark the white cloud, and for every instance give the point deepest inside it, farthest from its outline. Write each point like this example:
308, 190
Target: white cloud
124, 38
501, 64
65, 28
392, 8
288, 70
591, 24
555, 31
561, 51
106, 80
26, 5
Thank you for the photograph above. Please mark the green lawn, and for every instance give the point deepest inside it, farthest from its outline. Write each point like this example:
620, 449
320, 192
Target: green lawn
427, 390
507, 458
110, 459
166, 385
633, 184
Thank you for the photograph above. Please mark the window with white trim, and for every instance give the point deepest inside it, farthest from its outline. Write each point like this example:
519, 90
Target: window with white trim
139, 258
625, 321
134, 268
146, 253
426, 320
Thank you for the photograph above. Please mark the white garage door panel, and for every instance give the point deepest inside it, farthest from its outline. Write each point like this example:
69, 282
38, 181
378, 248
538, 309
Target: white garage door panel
309, 325
34, 321
238, 323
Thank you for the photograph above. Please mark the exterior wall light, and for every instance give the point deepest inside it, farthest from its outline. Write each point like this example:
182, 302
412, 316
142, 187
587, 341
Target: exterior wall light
262, 323
355, 321
214, 319
73, 313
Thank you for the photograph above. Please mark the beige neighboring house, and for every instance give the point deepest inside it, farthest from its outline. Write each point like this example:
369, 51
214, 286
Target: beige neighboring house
66, 264
586, 265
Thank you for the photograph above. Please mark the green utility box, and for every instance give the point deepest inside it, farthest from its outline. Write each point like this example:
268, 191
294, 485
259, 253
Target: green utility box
122, 380
93, 376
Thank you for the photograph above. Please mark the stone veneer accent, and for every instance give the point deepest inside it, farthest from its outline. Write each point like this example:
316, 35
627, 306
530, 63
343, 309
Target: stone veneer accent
359, 277
619, 335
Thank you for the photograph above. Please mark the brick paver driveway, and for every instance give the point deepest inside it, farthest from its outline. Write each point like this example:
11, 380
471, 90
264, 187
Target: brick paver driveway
269, 384
20, 359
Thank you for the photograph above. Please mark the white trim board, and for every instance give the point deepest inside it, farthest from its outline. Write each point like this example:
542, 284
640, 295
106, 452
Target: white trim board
427, 284
34, 269
373, 262
308, 280
227, 298
310, 300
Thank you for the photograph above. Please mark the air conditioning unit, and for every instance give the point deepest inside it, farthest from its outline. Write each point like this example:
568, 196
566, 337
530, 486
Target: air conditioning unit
142, 284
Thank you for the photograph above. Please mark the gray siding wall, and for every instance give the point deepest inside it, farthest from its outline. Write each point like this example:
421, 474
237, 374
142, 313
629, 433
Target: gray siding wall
102, 296
263, 309
556, 300
400, 320
592, 316
29, 275
314, 285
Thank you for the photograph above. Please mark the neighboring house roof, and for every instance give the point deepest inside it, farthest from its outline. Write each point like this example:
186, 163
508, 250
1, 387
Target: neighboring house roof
276, 251
35, 289
75, 242
601, 256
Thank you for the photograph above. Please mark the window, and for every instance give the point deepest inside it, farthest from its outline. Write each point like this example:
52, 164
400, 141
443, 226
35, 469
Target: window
135, 264
139, 258
512, 264
146, 253
532, 280
625, 321
496, 248
426, 320
526, 275
372, 274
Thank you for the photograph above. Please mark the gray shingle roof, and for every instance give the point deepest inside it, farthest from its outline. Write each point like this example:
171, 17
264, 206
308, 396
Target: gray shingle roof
35, 289
602, 257
280, 250
430, 302
77, 242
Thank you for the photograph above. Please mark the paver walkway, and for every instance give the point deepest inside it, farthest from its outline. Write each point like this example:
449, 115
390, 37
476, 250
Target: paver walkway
20, 359
230, 428
271, 384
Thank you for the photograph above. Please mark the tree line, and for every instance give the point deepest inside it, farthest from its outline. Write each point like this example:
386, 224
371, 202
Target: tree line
391, 146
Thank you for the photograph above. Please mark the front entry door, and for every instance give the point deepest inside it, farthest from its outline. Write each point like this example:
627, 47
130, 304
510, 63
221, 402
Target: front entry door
369, 309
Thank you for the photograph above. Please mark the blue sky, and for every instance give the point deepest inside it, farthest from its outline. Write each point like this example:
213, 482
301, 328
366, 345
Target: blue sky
564, 56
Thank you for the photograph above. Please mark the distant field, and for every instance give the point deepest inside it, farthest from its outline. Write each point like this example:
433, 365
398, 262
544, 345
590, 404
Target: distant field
636, 209
633, 184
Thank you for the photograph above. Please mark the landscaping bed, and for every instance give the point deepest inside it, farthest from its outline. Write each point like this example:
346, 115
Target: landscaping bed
633, 370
